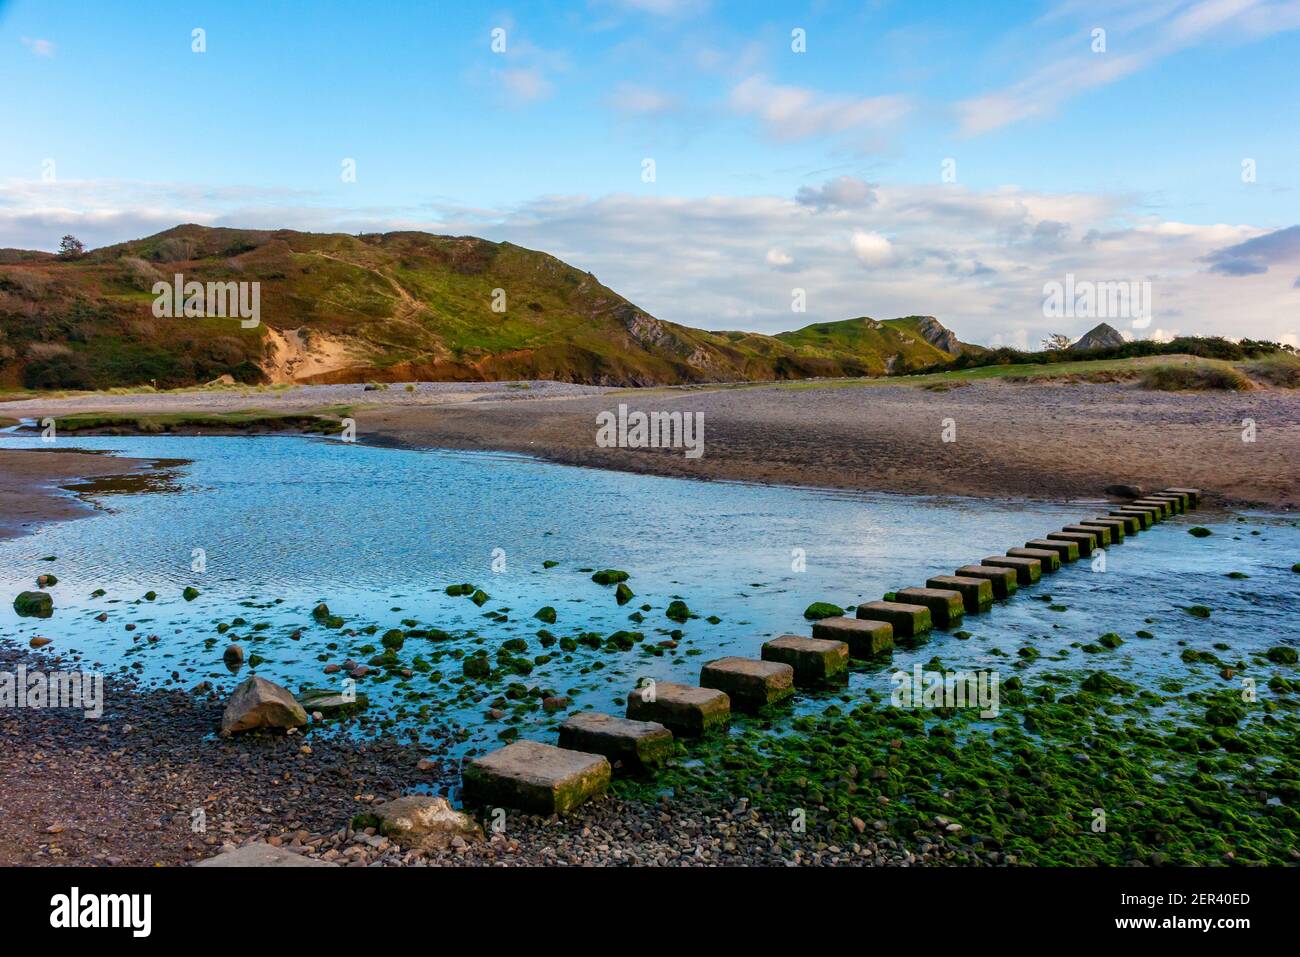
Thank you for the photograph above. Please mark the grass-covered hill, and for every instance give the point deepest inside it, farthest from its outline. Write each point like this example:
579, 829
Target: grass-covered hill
390, 307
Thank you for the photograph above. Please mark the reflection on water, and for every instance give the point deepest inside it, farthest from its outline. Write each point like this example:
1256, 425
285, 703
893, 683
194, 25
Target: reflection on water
279, 524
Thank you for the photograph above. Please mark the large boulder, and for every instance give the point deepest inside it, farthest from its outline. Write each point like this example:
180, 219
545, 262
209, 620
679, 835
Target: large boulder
421, 821
34, 604
258, 703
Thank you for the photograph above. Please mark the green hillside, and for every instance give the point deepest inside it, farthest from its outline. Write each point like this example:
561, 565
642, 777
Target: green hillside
392, 307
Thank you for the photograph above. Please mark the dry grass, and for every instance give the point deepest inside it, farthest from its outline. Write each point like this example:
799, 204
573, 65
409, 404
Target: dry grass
1281, 370
1194, 377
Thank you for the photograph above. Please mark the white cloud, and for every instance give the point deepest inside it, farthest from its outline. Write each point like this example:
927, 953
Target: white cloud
872, 249
525, 85
39, 47
1138, 35
778, 257
792, 112
639, 100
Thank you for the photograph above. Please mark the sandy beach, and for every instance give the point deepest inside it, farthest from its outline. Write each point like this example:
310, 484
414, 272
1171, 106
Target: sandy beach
1045, 441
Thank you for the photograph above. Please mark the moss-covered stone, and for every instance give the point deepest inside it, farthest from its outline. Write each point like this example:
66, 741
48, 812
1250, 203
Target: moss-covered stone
822, 609
546, 613
610, 576
34, 604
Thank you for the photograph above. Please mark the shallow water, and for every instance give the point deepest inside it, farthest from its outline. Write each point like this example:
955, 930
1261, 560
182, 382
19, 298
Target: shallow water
379, 533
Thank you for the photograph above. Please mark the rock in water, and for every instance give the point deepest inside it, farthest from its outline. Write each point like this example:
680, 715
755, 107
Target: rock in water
1100, 336
258, 703
421, 821
34, 604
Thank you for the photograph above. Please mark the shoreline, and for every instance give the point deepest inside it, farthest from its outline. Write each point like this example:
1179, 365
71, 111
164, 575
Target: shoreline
1042, 441
39, 486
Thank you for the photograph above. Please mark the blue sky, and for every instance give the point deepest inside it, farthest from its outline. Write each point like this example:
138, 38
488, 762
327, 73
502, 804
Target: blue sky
774, 169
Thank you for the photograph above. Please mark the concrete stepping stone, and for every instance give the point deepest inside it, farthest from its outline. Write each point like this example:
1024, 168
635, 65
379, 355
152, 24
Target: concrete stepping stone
1028, 570
261, 854
1155, 509
1102, 535
946, 604
1193, 495
750, 683
1177, 502
1066, 551
1114, 525
1132, 523
685, 710
907, 620
865, 638
536, 777
1166, 508
1087, 541
814, 660
1003, 580
1145, 517
631, 746
1050, 558
976, 593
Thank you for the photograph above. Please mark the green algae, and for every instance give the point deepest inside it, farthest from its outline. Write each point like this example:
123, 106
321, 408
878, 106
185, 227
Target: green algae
822, 609
1032, 784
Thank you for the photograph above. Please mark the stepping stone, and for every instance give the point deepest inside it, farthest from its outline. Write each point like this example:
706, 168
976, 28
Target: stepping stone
1102, 534
1166, 508
1132, 523
976, 593
1028, 570
1087, 541
261, 854
1066, 551
1155, 509
908, 621
1003, 580
1114, 525
946, 604
1193, 495
685, 710
633, 746
866, 639
1178, 503
1050, 558
1144, 517
817, 660
751, 684
536, 777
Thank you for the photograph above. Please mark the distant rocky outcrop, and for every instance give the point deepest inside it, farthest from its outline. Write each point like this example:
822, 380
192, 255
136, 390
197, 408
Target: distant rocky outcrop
1100, 336
933, 332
